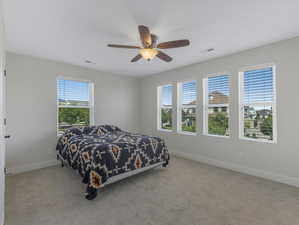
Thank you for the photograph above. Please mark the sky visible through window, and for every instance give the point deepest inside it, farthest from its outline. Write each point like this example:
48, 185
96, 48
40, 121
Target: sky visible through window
167, 95
258, 86
72, 90
189, 93
219, 84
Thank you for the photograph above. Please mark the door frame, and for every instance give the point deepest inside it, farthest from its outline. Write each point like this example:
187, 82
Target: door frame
2, 134
2, 115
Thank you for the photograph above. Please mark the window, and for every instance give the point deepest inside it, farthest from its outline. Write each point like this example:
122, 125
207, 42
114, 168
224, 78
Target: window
165, 107
216, 105
257, 104
75, 104
186, 114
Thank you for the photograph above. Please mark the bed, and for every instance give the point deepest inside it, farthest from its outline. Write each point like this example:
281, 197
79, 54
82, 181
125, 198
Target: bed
105, 154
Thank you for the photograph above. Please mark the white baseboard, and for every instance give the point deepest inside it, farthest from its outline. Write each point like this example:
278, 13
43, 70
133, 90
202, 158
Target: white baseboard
293, 181
29, 167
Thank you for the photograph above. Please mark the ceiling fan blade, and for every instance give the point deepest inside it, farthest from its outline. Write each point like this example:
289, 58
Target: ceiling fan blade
163, 56
145, 36
154, 40
136, 58
122, 46
174, 44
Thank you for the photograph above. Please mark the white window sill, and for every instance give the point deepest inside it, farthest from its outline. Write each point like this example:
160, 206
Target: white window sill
165, 130
187, 133
258, 140
217, 136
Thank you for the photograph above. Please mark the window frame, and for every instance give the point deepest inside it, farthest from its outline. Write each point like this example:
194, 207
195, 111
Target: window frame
160, 107
206, 104
273, 104
90, 106
180, 107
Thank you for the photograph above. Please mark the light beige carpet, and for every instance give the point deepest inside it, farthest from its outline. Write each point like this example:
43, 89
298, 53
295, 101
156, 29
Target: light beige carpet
185, 193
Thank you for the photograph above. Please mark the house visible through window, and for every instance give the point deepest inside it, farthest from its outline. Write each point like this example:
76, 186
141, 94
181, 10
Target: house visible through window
165, 107
186, 115
257, 104
216, 105
75, 104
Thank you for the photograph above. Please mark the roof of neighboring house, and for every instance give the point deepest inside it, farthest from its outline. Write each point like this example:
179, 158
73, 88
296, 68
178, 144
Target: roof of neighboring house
216, 97
192, 103
264, 112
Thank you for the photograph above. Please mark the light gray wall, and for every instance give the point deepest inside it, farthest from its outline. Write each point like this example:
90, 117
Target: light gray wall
276, 161
31, 106
132, 104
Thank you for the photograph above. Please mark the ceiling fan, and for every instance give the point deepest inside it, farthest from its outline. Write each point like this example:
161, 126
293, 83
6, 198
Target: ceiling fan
149, 46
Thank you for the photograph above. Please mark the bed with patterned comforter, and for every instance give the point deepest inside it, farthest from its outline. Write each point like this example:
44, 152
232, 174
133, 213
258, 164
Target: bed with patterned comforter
101, 152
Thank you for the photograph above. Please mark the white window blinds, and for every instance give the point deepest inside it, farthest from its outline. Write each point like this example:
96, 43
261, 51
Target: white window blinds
218, 89
166, 95
165, 107
73, 93
186, 111
258, 104
216, 115
189, 93
258, 86
74, 104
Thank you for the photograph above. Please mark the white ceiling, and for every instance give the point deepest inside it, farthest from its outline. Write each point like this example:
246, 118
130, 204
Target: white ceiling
73, 31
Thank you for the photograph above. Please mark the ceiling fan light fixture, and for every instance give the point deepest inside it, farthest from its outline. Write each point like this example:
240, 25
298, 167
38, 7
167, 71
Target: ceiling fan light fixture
148, 53
149, 47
